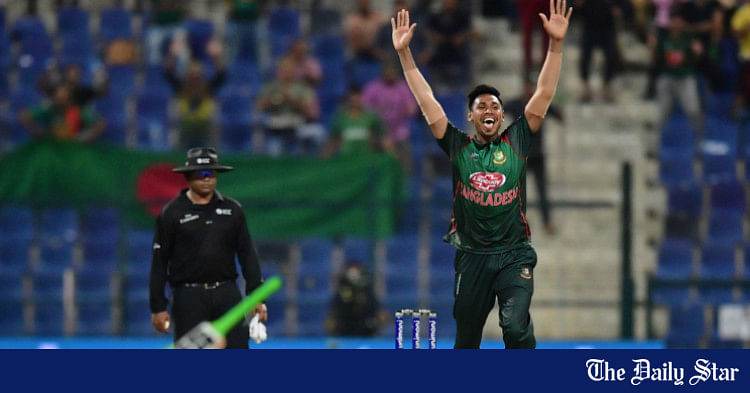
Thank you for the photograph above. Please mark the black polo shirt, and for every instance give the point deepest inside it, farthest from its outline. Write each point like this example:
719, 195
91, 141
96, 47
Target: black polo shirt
198, 243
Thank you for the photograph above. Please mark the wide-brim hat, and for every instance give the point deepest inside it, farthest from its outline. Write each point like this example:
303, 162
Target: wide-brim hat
202, 159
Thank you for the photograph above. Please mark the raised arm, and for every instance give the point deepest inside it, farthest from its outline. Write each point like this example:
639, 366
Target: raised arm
431, 109
556, 27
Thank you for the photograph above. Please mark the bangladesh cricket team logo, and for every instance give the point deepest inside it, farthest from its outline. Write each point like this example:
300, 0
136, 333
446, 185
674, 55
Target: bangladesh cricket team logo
499, 157
486, 181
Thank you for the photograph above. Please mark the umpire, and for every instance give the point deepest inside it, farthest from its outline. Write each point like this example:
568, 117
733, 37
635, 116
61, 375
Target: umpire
197, 236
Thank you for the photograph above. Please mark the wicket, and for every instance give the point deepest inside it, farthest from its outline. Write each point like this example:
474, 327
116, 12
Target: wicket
415, 323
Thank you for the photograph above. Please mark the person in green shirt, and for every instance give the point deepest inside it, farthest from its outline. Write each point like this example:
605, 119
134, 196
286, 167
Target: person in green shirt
494, 258
676, 53
62, 119
355, 129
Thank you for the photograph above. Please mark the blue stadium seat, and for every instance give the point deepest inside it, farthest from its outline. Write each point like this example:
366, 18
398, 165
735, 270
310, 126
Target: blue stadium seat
328, 47
316, 249
358, 249
28, 26
314, 280
442, 188
686, 200
236, 136
101, 253
152, 133
59, 229
675, 259
674, 262
236, 108
455, 108
23, 97
199, 33
719, 150
155, 83
73, 22
101, 221
285, 22
49, 318
442, 254
137, 318
325, 21
724, 226
243, 77
311, 316
11, 316
77, 50
720, 104
363, 72
440, 216
729, 196
139, 248
115, 23
403, 249
16, 222
677, 138
93, 285
687, 326
677, 171
717, 263
121, 82
93, 318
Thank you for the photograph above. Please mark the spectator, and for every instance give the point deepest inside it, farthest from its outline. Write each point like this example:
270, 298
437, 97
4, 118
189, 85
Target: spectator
306, 67
390, 98
741, 29
384, 44
704, 19
676, 81
451, 30
355, 130
599, 18
354, 309
242, 35
287, 104
360, 28
535, 159
196, 106
528, 12
62, 119
165, 27
70, 76
661, 10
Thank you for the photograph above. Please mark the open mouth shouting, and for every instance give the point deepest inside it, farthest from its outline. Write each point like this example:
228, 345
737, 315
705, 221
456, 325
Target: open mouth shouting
488, 123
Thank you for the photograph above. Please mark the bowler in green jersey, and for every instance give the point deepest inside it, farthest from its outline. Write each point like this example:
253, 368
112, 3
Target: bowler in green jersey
494, 259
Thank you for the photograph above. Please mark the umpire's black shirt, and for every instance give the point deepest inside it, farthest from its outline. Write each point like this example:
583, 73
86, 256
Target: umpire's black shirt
197, 244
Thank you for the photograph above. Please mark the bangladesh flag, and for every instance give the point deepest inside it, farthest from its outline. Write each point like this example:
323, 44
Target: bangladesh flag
282, 197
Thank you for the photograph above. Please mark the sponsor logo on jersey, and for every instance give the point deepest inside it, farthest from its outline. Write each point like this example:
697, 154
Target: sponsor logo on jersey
498, 157
486, 181
189, 217
526, 272
224, 212
488, 199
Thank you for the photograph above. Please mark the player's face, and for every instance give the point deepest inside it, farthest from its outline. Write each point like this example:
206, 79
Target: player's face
487, 115
202, 183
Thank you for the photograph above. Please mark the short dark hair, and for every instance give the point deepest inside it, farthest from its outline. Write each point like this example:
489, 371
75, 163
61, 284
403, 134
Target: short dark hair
482, 89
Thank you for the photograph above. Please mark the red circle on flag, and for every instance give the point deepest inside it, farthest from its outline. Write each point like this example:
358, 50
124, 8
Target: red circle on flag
157, 185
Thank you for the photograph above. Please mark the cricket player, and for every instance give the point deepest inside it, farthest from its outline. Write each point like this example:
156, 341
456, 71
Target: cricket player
488, 228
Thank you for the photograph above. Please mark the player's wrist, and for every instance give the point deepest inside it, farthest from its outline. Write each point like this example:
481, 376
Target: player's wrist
555, 45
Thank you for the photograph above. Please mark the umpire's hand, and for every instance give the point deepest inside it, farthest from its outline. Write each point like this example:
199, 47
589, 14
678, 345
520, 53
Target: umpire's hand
161, 321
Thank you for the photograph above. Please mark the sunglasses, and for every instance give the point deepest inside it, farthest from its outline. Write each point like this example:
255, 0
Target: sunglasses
203, 174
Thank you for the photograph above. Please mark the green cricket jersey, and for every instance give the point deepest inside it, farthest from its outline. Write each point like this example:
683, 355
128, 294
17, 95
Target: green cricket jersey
488, 189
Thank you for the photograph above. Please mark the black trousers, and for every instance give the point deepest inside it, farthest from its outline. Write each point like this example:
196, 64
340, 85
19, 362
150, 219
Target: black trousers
606, 41
192, 306
536, 166
507, 276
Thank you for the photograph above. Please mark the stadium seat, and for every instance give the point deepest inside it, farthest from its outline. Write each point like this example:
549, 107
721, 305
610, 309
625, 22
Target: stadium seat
93, 285
455, 108
717, 263
328, 47
243, 77
687, 326
101, 221
11, 316
358, 249
674, 262
152, 133
677, 171
315, 250
93, 318
235, 108
284, 21
101, 253
199, 33
28, 26
363, 72
59, 230
686, 200
115, 23
137, 318
719, 150
79, 51
719, 105
314, 280
49, 318
236, 136
139, 248
155, 83
440, 216
16, 222
311, 316
325, 21
121, 83
677, 138
725, 226
72, 22
729, 196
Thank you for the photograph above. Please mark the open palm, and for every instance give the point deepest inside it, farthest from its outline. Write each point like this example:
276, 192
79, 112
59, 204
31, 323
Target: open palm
557, 24
402, 32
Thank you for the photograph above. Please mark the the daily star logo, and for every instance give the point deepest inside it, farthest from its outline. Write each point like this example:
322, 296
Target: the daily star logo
487, 182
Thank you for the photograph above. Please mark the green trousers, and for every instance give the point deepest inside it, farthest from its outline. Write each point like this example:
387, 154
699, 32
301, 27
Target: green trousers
507, 276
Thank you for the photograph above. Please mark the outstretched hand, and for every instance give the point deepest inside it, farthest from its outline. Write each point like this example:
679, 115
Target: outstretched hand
402, 31
557, 24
